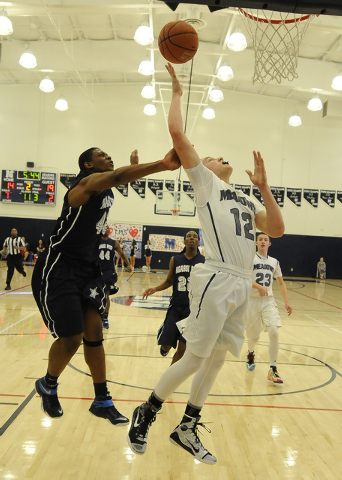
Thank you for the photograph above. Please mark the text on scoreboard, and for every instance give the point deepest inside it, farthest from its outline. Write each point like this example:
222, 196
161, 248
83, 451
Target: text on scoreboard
23, 186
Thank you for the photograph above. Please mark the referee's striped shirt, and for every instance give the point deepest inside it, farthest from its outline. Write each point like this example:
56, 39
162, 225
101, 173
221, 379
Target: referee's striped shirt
11, 242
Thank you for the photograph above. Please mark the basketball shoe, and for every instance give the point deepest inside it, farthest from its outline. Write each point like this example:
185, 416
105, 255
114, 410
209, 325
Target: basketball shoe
104, 407
273, 375
250, 363
163, 352
185, 436
143, 417
50, 403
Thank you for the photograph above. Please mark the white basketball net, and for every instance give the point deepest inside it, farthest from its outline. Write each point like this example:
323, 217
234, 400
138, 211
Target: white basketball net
276, 38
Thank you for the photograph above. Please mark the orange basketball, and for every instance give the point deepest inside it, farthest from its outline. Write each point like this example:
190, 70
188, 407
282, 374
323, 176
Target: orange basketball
178, 42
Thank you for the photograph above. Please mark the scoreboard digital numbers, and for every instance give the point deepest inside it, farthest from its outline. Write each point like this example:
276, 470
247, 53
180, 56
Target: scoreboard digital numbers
24, 186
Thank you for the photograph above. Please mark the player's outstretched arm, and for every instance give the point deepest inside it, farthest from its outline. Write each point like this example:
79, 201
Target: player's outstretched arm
185, 150
163, 286
97, 182
271, 220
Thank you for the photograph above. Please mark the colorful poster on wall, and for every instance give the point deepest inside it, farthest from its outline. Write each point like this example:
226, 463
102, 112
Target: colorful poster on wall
127, 232
166, 243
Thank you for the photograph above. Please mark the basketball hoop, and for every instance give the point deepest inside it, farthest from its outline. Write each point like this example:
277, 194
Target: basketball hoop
175, 212
276, 38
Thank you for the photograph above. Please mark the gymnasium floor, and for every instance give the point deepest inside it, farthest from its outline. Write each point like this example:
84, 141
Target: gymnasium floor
259, 430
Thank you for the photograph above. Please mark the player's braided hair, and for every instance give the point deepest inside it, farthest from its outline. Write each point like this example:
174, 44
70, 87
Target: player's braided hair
85, 157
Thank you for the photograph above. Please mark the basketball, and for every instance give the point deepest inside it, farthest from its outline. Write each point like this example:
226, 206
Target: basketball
178, 42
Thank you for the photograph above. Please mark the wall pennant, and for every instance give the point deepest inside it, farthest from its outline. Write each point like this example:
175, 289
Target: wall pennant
257, 194
328, 196
295, 195
170, 185
279, 195
67, 179
139, 186
155, 185
311, 196
123, 189
339, 196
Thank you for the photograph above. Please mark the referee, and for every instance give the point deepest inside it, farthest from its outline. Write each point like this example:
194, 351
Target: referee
15, 245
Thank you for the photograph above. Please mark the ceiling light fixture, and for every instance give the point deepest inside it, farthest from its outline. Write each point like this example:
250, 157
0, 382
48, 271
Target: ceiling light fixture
47, 85
295, 120
6, 27
146, 67
315, 104
216, 95
225, 72
148, 91
150, 109
143, 34
237, 41
208, 113
337, 82
28, 60
61, 104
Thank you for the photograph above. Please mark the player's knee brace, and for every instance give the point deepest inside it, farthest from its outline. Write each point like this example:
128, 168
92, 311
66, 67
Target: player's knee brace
97, 343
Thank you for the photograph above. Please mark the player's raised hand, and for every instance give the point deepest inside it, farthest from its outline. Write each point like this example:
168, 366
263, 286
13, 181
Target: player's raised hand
171, 160
258, 178
176, 86
134, 158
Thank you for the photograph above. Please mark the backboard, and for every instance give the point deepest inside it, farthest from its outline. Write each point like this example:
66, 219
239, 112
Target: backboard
318, 7
166, 201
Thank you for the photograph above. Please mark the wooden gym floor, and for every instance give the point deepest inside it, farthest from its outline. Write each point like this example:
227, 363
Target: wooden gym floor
259, 430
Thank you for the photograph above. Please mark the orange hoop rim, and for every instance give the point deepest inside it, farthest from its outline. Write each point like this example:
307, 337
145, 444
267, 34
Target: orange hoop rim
174, 211
276, 22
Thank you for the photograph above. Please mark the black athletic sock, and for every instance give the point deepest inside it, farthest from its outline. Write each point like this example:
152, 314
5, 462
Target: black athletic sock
191, 411
155, 401
51, 381
105, 317
101, 390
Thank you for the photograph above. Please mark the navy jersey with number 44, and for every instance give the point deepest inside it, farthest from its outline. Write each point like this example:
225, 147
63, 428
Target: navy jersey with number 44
182, 267
107, 254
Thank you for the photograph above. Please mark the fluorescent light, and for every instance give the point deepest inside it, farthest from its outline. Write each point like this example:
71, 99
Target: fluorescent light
61, 104
295, 120
337, 82
6, 27
143, 35
208, 113
150, 109
46, 85
216, 95
225, 73
146, 67
237, 41
28, 60
315, 104
148, 91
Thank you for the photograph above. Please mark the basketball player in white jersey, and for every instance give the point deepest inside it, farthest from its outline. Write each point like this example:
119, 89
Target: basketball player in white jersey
262, 312
219, 288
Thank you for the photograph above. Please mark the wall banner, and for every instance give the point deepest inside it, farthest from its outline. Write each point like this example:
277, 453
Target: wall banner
295, 195
67, 179
139, 186
279, 195
170, 185
257, 194
311, 196
123, 189
155, 185
246, 189
328, 196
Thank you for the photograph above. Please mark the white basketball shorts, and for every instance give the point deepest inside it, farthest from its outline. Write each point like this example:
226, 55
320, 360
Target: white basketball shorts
217, 304
262, 312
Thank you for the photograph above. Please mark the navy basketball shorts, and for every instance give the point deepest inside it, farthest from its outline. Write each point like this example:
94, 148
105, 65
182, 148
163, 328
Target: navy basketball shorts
63, 291
110, 278
168, 333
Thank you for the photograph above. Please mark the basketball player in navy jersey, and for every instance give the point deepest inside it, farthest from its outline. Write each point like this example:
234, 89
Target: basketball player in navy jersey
179, 273
219, 288
67, 283
107, 249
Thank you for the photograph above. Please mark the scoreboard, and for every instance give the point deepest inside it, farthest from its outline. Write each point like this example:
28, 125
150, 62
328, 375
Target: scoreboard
24, 186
